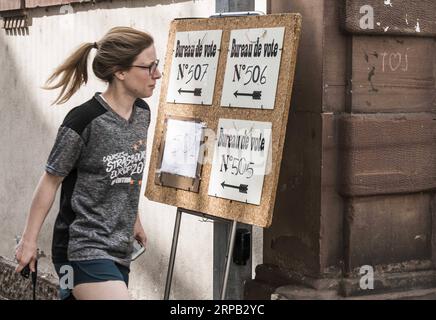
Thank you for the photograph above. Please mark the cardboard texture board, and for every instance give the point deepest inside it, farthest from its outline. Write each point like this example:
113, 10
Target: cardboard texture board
391, 17
260, 215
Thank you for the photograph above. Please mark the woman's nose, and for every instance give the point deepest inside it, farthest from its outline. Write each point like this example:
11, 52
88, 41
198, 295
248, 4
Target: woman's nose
157, 74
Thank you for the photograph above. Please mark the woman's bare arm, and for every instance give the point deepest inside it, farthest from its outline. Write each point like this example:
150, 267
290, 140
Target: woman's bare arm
42, 202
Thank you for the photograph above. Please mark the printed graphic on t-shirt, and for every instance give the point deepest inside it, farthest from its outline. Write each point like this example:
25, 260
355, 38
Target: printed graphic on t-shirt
123, 165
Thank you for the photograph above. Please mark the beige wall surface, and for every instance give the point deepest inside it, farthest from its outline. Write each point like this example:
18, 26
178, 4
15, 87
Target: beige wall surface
28, 126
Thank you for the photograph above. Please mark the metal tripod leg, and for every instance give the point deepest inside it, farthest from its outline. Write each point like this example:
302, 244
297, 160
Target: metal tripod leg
228, 260
173, 254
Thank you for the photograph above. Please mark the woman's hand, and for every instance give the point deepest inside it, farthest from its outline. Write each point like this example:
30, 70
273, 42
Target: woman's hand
25, 253
139, 233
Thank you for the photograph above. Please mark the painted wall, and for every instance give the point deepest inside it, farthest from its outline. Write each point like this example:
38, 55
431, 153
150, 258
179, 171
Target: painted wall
28, 126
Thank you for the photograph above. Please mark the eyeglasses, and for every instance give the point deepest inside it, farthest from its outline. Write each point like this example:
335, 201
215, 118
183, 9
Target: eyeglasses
151, 68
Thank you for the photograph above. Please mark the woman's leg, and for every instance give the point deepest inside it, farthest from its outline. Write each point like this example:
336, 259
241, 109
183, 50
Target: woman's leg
106, 290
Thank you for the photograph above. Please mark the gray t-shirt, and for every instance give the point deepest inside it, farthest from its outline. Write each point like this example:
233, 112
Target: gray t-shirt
102, 157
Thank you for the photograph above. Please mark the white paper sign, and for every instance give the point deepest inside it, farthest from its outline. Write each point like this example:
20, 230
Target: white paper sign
182, 147
253, 64
240, 160
194, 66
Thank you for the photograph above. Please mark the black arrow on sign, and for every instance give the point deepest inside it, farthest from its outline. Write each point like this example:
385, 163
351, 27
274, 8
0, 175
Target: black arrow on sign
196, 91
243, 188
255, 95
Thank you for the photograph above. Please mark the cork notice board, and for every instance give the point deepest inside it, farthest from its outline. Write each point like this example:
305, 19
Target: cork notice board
234, 75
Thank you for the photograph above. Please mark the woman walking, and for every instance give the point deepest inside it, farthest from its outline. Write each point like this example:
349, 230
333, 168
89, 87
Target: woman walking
98, 160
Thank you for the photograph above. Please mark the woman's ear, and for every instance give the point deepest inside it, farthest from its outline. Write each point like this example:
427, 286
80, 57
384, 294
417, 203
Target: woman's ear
120, 75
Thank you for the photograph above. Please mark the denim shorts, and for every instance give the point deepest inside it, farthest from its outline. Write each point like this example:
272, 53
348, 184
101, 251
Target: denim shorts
73, 273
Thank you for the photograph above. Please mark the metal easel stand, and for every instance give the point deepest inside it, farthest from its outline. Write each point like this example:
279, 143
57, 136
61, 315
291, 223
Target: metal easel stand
175, 241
